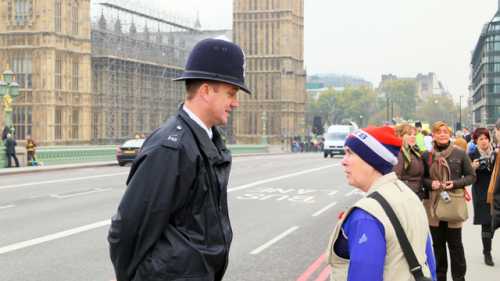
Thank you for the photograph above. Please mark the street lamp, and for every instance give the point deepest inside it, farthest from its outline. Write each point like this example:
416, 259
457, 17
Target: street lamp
360, 120
9, 90
460, 112
264, 123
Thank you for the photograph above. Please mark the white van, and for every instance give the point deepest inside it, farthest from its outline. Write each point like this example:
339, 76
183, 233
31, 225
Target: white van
335, 137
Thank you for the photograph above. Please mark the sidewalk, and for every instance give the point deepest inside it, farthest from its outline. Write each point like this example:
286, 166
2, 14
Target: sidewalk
476, 269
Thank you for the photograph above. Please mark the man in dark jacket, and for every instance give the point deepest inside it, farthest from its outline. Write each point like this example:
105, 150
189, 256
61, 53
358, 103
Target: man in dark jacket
172, 222
10, 150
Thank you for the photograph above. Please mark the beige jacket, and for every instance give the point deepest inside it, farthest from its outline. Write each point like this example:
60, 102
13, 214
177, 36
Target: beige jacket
413, 218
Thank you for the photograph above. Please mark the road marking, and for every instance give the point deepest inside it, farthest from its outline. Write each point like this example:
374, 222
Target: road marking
7, 206
324, 274
274, 240
61, 180
333, 192
279, 178
312, 268
84, 228
69, 195
324, 209
47, 238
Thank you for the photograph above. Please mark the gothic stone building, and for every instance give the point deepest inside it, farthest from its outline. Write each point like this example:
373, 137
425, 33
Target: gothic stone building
271, 33
47, 45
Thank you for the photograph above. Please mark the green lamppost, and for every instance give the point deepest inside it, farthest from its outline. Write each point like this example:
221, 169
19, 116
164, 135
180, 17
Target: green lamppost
9, 90
264, 133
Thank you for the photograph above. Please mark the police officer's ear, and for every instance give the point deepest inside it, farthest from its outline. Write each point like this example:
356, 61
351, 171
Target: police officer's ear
204, 91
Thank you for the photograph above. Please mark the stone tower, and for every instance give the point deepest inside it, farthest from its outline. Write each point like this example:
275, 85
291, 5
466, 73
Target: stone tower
271, 33
47, 45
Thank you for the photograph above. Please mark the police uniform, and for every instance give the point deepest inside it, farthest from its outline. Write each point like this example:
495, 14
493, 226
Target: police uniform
172, 222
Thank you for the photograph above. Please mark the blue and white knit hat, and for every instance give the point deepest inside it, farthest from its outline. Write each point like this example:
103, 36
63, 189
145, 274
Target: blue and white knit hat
377, 146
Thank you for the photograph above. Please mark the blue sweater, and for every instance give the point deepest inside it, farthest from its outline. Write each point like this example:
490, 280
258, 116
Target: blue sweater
365, 247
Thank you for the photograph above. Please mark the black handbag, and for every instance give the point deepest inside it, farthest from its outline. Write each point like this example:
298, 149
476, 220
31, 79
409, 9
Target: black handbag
415, 267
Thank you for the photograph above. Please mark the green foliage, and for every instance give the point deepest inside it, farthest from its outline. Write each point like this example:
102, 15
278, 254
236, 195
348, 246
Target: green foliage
352, 104
438, 108
402, 98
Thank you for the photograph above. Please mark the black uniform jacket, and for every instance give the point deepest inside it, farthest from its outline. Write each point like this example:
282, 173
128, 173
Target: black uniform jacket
172, 222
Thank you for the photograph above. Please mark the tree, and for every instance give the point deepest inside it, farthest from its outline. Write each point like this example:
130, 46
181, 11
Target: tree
438, 108
401, 97
357, 104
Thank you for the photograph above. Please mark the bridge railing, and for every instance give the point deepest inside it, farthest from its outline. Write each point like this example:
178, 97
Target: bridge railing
80, 154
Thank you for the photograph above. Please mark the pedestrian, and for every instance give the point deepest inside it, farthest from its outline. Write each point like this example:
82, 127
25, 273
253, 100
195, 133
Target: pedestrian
467, 135
410, 167
460, 141
10, 150
31, 151
427, 140
172, 222
364, 244
447, 172
483, 160
6, 130
471, 145
419, 138
493, 196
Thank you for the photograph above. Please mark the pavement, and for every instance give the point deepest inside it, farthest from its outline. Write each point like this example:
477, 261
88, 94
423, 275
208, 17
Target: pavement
473, 247
283, 208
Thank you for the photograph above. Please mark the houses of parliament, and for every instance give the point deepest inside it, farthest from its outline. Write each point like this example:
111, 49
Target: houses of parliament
105, 77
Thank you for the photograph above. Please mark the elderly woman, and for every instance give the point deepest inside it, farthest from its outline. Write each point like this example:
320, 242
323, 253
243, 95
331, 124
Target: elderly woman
447, 170
410, 168
483, 163
370, 155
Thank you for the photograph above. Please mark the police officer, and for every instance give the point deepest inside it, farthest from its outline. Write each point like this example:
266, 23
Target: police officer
172, 222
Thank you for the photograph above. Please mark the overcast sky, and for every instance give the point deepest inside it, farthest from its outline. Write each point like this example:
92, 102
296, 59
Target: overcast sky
366, 38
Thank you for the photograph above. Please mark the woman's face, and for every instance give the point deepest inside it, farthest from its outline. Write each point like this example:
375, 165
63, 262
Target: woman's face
442, 135
410, 137
483, 142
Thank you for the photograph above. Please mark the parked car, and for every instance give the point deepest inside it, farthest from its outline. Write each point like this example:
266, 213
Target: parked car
127, 152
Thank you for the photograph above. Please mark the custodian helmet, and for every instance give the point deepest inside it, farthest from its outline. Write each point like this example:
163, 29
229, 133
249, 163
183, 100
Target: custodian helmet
216, 60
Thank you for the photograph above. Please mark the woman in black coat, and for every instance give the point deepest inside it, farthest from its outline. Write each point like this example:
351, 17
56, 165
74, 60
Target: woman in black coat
483, 161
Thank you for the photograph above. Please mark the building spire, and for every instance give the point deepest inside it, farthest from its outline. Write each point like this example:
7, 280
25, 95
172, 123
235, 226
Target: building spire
197, 24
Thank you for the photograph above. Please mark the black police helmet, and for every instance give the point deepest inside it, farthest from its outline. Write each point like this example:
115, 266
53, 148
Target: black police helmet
216, 60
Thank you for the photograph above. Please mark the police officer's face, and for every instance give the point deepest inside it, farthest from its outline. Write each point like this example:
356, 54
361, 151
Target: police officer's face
222, 100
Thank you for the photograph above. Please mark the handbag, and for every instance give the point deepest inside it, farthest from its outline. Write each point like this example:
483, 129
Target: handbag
415, 267
453, 208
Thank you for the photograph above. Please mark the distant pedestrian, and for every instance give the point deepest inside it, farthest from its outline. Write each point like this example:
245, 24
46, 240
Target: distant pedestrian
460, 141
365, 245
10, 150
427, 140
483, 162
172, 222
419, 137
31, 151
6, 130
467, 135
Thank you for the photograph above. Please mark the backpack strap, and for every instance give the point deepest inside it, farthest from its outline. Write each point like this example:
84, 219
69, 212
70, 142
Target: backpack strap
415, 267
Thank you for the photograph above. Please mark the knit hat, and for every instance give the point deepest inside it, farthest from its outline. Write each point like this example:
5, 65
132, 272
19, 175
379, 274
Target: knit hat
377, 146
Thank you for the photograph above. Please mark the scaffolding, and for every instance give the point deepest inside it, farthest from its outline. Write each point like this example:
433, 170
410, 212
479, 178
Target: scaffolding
132, 71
